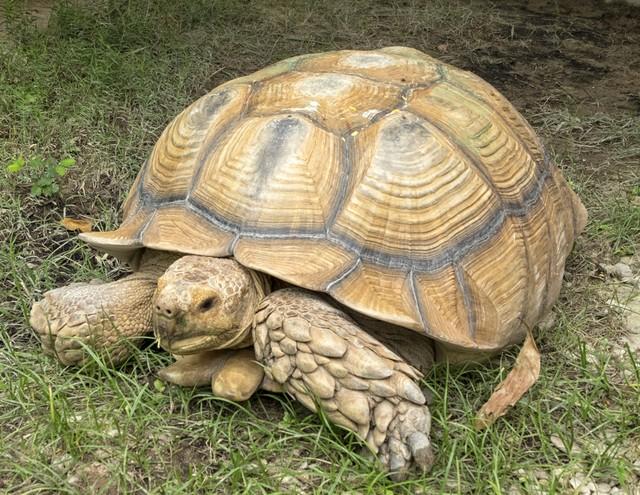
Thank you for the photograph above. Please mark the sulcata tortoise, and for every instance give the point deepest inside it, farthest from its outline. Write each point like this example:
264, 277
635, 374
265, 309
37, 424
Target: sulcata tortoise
327, 227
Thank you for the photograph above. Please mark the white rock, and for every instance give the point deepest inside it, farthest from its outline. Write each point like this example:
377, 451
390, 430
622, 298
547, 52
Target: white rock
577, 481
541, 475
559, 444
621, 271
590, 488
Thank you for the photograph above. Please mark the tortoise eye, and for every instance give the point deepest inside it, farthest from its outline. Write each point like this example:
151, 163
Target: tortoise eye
207, 304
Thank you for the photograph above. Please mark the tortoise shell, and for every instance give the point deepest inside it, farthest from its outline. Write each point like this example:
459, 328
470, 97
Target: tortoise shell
407, 189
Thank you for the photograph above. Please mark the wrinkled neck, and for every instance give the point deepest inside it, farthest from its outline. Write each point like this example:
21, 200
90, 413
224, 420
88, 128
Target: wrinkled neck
262, 287
262, 284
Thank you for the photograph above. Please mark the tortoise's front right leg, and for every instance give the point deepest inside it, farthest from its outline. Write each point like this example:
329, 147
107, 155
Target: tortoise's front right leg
106, 317
325, 360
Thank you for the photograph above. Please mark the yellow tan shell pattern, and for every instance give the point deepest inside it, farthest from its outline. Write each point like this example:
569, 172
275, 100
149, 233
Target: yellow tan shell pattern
407, 189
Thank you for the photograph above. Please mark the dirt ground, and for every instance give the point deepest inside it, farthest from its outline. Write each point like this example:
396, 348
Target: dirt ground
584, 53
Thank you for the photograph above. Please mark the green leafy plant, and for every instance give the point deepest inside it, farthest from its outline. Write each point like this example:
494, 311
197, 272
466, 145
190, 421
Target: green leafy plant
43, 173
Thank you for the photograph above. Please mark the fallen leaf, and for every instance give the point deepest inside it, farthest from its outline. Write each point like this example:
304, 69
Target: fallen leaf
520, 379
71, 223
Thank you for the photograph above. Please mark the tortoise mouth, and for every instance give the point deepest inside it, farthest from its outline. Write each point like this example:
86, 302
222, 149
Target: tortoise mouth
188, 345
190, 342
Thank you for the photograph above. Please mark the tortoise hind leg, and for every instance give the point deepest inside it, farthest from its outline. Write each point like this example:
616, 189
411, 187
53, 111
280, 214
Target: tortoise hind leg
324, 359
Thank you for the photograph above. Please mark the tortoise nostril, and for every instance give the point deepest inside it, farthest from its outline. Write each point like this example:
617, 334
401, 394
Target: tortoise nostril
207, 304
164, 310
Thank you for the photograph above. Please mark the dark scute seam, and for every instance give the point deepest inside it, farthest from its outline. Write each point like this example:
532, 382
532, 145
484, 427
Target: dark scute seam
466, 297
145, 226
418, 303
346, 179
435, 263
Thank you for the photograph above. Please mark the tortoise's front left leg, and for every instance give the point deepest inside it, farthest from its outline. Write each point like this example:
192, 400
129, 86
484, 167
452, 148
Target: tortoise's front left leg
107, 317
321, 357
233, 374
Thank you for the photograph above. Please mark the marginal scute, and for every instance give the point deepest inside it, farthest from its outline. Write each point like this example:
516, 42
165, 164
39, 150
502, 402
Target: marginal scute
443, 306
496, 299
380, 293
310, 263
198, 236
124, 241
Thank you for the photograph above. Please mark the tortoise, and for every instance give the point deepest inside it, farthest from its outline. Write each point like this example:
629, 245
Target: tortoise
328, 227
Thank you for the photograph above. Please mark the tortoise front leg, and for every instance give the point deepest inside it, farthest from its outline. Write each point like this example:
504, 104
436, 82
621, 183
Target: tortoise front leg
233, 374
106, 317
321, 357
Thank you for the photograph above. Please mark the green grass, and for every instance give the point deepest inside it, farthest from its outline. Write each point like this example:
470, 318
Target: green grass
99, 86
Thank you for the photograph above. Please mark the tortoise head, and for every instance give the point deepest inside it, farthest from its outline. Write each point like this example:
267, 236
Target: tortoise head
204, 303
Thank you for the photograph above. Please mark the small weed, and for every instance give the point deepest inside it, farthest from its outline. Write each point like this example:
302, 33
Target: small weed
43, 174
